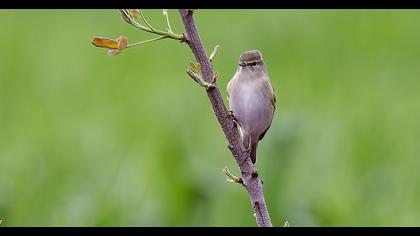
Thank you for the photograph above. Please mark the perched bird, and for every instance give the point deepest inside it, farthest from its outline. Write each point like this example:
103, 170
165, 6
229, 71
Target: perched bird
252, 100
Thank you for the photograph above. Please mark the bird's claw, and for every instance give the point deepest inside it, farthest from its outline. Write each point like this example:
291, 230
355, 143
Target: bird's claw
247, 150
232, 116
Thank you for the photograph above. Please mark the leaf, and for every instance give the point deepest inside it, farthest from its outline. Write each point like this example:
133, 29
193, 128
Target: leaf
122, 42
115, 46
105, 42
113, 52
134, 13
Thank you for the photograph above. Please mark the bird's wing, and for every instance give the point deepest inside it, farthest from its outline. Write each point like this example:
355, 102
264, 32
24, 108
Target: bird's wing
228, 89
269, 87
274, 98
273, 103
230, 83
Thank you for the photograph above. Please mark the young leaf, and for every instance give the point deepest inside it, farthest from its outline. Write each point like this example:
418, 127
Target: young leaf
115, 46
105, 42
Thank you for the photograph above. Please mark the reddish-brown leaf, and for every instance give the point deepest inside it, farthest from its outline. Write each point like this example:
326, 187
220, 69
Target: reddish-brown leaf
105, 43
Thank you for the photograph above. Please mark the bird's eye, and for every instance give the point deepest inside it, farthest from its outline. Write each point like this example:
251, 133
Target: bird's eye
254, 63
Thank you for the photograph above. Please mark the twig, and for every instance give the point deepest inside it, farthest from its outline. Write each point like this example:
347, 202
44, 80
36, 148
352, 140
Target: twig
214, 53
165, 13
146, 41
251, 181
125, 14
231, 177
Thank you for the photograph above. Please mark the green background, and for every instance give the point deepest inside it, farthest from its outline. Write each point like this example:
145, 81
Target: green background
130, 140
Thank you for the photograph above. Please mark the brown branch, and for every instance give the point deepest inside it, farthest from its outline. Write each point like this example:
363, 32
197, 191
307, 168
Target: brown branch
250, 178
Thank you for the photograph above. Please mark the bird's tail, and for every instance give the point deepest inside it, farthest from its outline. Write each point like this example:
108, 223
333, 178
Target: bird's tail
250, 143
253, 154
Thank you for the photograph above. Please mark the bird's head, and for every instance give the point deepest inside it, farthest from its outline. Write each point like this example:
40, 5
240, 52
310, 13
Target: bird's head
251, 60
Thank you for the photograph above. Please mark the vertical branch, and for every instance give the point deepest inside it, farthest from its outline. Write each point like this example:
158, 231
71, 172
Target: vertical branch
250, 178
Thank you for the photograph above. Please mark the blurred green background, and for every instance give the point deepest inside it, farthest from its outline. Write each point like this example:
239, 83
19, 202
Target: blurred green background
130, 140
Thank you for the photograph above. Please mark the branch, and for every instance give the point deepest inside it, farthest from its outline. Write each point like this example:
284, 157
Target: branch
202, 73
250, 179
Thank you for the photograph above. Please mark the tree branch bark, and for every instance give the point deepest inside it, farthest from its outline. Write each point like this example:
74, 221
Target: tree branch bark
250, 178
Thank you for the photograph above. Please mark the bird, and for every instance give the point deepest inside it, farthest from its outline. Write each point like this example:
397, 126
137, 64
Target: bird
252, 100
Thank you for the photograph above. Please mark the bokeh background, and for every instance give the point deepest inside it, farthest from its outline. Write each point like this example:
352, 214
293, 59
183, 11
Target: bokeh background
130, 140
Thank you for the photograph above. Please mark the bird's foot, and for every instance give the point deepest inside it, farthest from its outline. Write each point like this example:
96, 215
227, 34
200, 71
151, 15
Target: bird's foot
247, 151
233, 118
231, 115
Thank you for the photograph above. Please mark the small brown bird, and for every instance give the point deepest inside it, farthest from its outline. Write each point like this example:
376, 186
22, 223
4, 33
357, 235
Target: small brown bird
252, 100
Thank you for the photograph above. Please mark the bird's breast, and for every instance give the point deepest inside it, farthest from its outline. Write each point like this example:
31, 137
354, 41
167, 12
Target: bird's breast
251, 104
